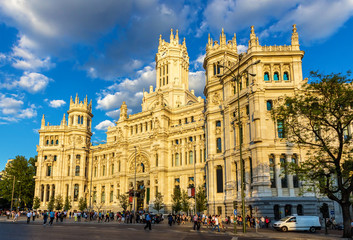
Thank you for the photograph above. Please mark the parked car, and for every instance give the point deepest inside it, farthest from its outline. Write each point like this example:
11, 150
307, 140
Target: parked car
298, 223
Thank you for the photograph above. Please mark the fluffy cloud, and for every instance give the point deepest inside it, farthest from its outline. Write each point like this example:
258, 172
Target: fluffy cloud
33, 82
104, 125
197, 82
129, 90
11, 109
278, 16
57, 103
242, 48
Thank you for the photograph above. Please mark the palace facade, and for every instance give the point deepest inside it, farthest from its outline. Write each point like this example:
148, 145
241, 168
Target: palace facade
179, 139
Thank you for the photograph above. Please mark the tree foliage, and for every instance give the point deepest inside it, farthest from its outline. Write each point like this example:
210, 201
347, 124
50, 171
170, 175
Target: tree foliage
82, 204
59, 203
67, 204
185, 201
176, 199
51, 203
22, 171
123, 201
158, 202
201, 199
318, 119
36, 202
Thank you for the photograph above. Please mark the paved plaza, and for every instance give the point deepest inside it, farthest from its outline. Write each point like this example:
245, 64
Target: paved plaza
112, 230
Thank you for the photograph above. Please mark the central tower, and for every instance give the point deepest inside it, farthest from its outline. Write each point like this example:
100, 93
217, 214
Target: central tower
172, 76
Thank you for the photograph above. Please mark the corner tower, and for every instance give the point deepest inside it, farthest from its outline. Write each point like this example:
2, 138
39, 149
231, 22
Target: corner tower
80, 113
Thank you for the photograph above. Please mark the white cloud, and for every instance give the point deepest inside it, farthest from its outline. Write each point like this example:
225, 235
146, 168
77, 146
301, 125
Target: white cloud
242, 48
129, 90
11, 109
197, 82
198, 63
104, 125
57, 103
115, 114
279, 15
33, 82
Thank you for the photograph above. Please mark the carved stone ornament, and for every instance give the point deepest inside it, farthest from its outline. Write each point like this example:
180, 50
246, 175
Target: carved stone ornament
139, 167
216, 98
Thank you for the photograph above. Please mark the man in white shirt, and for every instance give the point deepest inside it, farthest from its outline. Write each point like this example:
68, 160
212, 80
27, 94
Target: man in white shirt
216, 223
29, 215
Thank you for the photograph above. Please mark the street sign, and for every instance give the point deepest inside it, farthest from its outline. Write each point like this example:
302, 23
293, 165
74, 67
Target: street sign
332, 212
235, 212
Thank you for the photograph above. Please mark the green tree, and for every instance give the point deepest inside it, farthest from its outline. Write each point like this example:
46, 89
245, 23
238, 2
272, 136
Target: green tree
158, 202
67, 204
185, 202
318, 118
22, 172
51, 203
82, 204
36, 202
124, 201
59, 203
201, 200
176, 199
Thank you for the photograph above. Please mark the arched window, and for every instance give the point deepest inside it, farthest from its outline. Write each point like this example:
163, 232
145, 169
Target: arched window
49, 170
52, 142
42, 193
276, 76
47, 142
295, 176
219, 177
157, 160
143, 167
284, 172
269, 105
77, 170
55, 157
285, 76
103, 172
300, 210
177, 159
48, 193
287, 210
276, 212
103, 196
219, 145
280, 128
76, 191
57, 142
81, 119
95, 171
191, 157
53, 190
112, 169
266, 77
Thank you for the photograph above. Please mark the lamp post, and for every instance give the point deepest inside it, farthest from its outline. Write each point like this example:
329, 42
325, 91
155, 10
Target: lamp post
13, 189
135, 183
237, 78
194, 158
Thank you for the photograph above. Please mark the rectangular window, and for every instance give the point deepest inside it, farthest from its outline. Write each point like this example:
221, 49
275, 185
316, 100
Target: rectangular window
272, 172
269, 105
191, 157
49, 171
192, 119
236, 176
156, 190
218, 123
111, 196
219, 145
219, 173
280, 128
241, 135
247, 110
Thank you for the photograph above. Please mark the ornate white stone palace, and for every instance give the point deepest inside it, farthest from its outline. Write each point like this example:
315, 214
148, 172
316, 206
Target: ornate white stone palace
176, 130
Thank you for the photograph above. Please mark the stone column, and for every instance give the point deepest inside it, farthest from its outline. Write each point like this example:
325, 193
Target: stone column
278, 178
290, 178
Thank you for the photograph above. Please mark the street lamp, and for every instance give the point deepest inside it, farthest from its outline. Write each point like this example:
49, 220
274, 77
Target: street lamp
135, 189
237, 78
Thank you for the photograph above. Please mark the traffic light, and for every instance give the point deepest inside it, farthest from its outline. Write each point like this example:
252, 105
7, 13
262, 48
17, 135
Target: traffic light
324, 210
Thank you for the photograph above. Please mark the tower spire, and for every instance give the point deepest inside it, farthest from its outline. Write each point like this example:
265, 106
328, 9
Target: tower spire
253, 42
63, 121
177, 36
43, 121
171, 35
295, 38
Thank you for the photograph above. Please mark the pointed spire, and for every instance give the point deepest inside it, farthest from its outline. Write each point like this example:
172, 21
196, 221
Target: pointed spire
222, 38
43, 121
71, 101
295, 38
209, 39
63, 121
76, 99
85, 101
253, 41
234, 41
171, 35
123, 111
160, 39
177, 36
184, 43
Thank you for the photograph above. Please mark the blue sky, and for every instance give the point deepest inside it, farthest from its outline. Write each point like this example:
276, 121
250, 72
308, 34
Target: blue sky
51, 50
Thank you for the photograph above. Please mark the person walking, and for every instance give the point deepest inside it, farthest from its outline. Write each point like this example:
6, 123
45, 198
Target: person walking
148, 222
170, 219
34, 215
216, 223
45, 218
51, 215
29, 215
195, 221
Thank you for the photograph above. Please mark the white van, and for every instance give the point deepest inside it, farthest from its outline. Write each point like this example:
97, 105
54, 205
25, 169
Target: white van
298, 223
